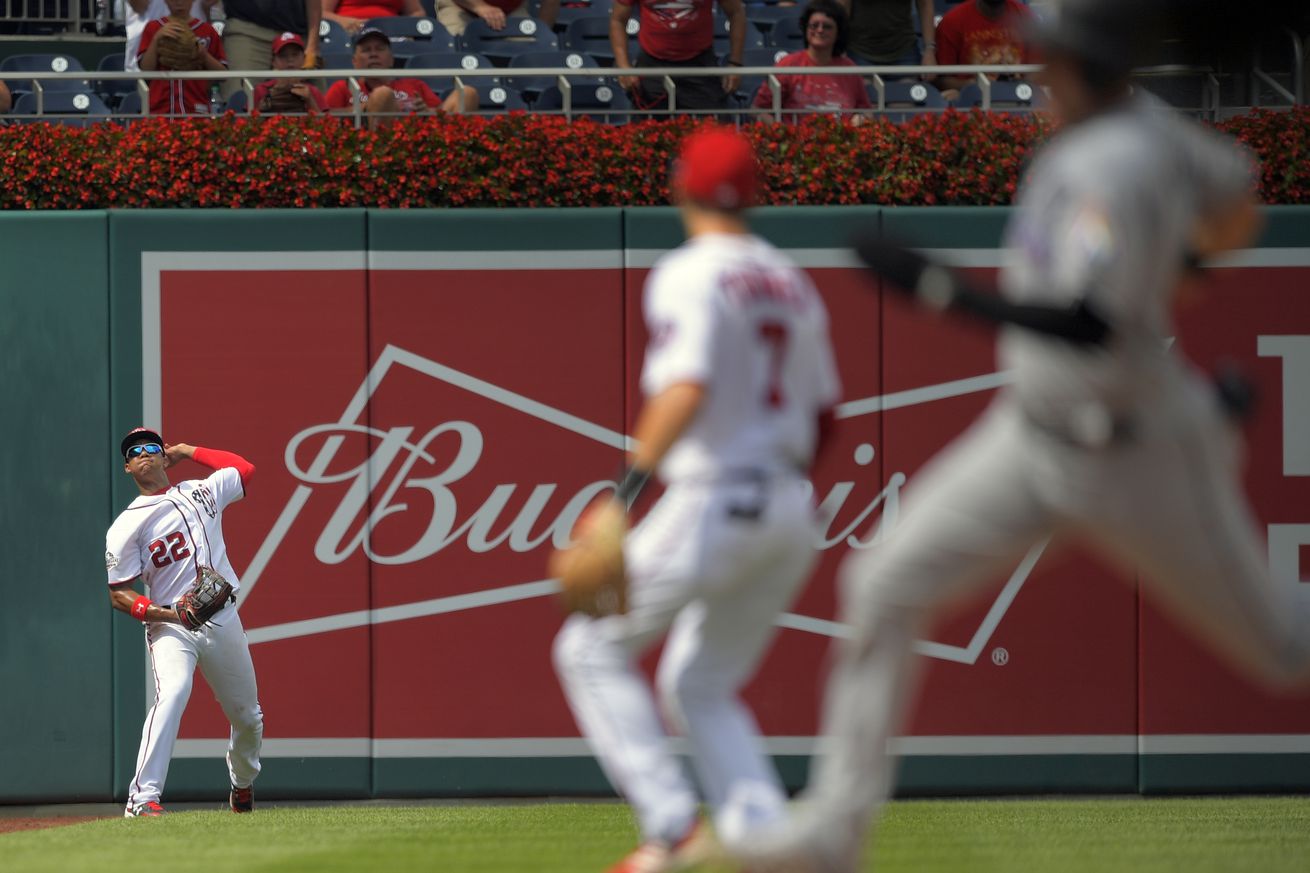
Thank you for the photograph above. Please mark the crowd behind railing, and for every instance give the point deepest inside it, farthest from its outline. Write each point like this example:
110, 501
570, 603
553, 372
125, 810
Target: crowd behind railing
605, 59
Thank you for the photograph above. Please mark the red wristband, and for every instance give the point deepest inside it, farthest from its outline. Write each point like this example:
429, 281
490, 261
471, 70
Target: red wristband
139, 607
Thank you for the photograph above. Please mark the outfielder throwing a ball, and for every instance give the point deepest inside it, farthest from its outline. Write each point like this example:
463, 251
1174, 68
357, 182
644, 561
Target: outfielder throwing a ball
1104, 432
172, 538
737, 377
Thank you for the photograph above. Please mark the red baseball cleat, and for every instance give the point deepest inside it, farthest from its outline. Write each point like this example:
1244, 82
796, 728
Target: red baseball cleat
242, 799
149, 809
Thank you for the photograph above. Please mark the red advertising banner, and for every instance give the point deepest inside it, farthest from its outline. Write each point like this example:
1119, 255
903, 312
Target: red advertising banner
424, 437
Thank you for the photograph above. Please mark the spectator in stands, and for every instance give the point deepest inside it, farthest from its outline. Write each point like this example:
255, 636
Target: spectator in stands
981, 32
384, 98
182, 96
137, 12
6, 99
289, 54
678, 33
456, 14
351, 14
882, 32
253, 25
826, 29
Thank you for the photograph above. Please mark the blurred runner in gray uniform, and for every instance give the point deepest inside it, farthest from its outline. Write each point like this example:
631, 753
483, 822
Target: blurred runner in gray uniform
1116, 440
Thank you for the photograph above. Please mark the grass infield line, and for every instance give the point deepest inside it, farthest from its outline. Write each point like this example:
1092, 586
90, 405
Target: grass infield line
1144, 835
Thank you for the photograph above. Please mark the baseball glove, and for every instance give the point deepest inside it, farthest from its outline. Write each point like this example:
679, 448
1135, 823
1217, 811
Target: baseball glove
178, 48
209, 595
280, 98
590, 572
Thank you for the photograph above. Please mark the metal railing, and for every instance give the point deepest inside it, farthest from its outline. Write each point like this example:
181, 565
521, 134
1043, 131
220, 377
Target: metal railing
565, 78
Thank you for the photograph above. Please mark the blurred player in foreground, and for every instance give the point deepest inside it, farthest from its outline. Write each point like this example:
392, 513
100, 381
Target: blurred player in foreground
163, 537
1103, 433
739, 379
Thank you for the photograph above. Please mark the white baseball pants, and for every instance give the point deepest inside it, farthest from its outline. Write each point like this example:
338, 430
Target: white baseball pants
1169, 504
223, 656
713, 565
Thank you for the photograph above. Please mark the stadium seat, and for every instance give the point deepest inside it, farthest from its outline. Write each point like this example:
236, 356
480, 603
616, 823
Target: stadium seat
410, 35
722, 39
765, 17
580, 9
336, 59
607, 103
902, 94
238, 103
111, 89
77, 108
43, 63
452, 61
129, 103
498, 99
531, 86
757, 57
519, 35
1006, 96
591, 35
332, 35
786, 33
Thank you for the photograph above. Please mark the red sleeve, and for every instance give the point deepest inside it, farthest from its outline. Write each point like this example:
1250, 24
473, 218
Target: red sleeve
215, 42
147, 37
948, 39
318, 98
261, 91
217, 459
430, 97
338, 95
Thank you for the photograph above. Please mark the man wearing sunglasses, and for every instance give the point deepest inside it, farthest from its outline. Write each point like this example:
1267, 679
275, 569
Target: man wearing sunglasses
163, 537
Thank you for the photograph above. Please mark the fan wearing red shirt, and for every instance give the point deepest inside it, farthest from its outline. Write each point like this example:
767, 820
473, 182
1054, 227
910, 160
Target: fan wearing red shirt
180, 97
386, 97
826, 28
982, 32
289, 54
678, 33
455, 15
351, 14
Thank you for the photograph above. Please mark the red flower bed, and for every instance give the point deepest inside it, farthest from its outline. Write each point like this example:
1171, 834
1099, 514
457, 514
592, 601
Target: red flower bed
526, 160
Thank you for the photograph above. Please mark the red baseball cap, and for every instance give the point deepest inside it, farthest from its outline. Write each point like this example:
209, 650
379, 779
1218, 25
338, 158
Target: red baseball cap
287, 39
716, 167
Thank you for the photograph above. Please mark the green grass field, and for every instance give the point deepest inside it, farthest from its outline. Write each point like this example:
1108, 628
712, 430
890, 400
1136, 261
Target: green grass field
1263, 834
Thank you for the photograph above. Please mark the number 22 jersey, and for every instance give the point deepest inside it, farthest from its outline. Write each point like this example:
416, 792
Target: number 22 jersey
164, 537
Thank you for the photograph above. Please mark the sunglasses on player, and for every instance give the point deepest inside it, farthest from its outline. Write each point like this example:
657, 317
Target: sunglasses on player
144, 449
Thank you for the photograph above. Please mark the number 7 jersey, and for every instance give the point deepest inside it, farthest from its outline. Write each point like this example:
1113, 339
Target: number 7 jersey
733, 314
164, 537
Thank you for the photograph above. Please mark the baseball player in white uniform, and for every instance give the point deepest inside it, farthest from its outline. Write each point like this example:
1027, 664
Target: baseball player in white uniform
1104, 433
738, 376
162, 537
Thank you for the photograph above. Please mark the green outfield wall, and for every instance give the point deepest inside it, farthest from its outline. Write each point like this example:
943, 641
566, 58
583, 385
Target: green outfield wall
405, 653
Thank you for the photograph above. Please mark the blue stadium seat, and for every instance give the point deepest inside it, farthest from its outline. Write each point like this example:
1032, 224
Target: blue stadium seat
756, 57
531, 86
902, 94
607, 103
332, 35
591, 35
129, 103
580, 9
452, 61
78, 108
111, 89
518, 36
786, 33
238, 103
765, 17
1006, 96
498, 99
410, 35
722, 39
43, 63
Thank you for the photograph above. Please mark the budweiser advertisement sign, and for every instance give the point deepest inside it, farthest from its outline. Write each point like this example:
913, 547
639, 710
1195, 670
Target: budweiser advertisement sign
424, 437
